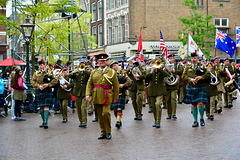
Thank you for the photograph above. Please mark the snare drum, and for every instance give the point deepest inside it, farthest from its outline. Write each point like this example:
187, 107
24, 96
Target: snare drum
232, 86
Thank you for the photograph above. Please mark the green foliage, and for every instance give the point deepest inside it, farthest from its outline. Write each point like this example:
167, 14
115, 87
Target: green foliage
199, 25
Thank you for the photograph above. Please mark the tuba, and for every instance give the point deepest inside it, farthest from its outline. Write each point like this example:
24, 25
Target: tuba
171, 79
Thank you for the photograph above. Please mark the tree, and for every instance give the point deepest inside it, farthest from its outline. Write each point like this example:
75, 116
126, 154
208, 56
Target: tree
199, 25
49, 32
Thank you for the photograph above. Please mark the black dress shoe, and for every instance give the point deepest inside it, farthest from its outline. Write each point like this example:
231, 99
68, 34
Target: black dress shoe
118, 124
144, 105
219, 111
95, 120
157, 125
215, 111
164, 107
154, 125
45, 126
64, 121
180, 102
73, 111
108, 136
225, 106
174, 117
136, 118
230, 106
139, 118
195, 124
202, 123
126, 101
150, 111
42, 125
80, 125
84, 125
168, 117
211, 118
90, 113
102, 136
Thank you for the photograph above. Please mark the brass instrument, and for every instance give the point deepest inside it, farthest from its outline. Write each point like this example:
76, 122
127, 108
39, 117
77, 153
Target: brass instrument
158, 64
62, 80
171, 79
214, 79
136, 72
82, 67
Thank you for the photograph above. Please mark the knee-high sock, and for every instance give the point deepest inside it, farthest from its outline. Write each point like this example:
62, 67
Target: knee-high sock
46, 114
42, 115
201, 111
195, 114
119, 115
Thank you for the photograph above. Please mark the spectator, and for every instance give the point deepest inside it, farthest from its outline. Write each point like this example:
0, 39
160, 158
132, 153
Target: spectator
11, 89
1, 89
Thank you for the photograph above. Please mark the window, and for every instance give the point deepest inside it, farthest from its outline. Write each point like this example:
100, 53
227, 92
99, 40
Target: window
100, 35
94, 33
199, 2
94, 17
122, 2
109, 4
123, 28
221, 0
99, 10
221, 22
88, 5
115, 3
109, 31
116, 30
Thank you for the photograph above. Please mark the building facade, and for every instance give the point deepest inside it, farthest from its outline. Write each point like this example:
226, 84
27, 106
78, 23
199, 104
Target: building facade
3, 37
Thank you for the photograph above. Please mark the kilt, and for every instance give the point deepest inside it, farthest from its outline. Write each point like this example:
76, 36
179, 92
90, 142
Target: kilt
195, 94
44, 99
120, 103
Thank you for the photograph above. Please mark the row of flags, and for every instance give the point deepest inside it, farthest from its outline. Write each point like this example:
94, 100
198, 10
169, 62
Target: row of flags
222, 42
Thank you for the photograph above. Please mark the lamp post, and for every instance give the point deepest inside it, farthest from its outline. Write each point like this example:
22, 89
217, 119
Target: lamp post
27, 30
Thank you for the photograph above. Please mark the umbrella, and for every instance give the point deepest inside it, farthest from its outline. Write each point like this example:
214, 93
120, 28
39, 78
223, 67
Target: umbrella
9, 62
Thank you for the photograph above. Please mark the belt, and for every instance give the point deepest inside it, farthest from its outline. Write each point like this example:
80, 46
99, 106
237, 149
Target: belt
106, 88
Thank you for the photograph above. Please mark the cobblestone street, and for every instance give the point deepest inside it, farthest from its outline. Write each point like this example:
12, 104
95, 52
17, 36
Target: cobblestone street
219, 139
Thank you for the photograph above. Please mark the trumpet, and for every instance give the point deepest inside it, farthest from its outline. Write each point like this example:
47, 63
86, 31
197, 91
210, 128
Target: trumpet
82, 67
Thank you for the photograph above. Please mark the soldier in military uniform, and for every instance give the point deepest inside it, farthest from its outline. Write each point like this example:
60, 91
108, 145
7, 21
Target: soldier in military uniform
124, 83
43, 80
137, 88
104, 83
64, 93
220, 87
195, 74
81, 76
182, 87
172, 90
156, 90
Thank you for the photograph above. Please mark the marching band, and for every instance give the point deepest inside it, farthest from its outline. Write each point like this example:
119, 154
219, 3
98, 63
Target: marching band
107, 85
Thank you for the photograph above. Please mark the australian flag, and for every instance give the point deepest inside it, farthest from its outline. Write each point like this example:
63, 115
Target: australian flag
238, 36
224, 43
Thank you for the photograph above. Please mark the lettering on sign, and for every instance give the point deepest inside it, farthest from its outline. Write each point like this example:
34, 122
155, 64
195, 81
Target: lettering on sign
153, 46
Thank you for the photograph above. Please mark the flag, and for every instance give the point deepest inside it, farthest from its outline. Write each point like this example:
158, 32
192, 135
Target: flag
238, 36
140, 47
224, 43
192, 46
162, 45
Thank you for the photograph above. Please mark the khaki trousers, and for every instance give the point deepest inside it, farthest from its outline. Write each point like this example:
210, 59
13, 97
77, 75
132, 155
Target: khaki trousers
90, 104
219, 102
227, 97
181, 93
81, 106
104, 117
171, 101
156, 103
63, 107
210, 106
137, 102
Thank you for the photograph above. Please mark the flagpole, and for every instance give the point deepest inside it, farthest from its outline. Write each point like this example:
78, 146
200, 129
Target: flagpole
188, 46
236, 47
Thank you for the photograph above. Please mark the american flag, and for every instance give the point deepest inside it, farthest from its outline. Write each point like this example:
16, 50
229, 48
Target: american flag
238, 36
162, 45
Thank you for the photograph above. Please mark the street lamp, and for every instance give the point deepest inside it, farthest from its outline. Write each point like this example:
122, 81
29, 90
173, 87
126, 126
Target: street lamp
27, 30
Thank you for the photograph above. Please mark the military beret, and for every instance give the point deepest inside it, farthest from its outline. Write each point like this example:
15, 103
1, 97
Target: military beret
135, 58
226, 59
171, 55
216, 58
184, 62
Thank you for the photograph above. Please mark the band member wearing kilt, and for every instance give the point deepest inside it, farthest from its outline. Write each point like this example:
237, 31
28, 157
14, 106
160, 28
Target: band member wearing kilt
124, 83
64, 93
43, 80
104, 83
81, 76
156, 90
195, 74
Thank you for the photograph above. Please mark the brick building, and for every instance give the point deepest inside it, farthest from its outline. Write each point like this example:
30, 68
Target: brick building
3, 37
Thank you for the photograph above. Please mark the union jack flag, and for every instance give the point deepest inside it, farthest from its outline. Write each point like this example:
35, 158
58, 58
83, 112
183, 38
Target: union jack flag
162, 45
238, 36
224, 43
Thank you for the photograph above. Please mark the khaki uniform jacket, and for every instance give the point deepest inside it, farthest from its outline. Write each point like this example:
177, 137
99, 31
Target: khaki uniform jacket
178, 71
157, 86
218, 68
189, 73
63, 94
98, 78
137, 84
231, 69
37, 79
81, 79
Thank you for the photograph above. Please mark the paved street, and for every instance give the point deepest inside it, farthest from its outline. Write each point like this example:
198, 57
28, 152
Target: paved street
219, 139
